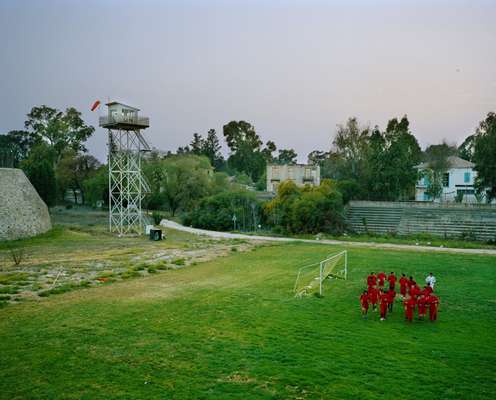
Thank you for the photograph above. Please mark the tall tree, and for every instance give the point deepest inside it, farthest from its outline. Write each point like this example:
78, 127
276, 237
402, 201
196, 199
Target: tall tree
211, 149
60, 130
436, 157
39, 169
485, 155
15, 146
246, 152
196, 144
287, 156
72, 170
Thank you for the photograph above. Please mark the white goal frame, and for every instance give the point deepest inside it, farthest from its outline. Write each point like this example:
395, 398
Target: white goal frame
322, 276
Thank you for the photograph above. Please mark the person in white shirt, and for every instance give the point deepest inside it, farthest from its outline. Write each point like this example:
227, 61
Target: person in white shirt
430, 280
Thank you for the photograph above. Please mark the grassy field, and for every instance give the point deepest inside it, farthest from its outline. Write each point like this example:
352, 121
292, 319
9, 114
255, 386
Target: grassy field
230, 328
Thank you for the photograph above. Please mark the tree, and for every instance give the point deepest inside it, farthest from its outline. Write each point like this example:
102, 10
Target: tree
179, 181
14, 147
351, 145
96, 186
436, 157
211, 149
484, 155
246, 153
39, 169
270, 147
196, 144
60, 130
287, 156
466, 149
72, 170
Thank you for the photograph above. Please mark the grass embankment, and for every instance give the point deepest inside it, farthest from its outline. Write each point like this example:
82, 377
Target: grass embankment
231, 329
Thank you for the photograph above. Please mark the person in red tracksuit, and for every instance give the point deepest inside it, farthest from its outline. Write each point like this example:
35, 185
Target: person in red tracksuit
373, 294
409, 306
433, 302
392, 280
371, 280
428, 289
422, 306
381, 276
364, 302
384, 298
411, 283
403, 284
415, 291
391, 296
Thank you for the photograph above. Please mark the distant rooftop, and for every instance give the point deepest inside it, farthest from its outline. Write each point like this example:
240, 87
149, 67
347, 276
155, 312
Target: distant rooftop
454, 162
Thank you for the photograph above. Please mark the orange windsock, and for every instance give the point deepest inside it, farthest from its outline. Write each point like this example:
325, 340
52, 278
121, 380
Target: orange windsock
95, 105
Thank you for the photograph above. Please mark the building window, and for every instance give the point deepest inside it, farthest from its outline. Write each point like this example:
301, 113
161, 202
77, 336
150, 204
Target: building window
466, 177
446, 179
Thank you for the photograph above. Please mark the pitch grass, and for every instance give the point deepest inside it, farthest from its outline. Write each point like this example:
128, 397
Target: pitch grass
231, 329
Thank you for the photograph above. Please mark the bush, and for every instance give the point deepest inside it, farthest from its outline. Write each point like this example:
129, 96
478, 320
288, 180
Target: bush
157, 217
216, 212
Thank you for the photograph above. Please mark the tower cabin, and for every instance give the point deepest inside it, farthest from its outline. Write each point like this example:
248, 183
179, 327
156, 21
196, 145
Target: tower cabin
123, 117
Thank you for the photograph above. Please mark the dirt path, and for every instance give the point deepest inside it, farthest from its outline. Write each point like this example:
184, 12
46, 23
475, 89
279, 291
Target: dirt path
391, 246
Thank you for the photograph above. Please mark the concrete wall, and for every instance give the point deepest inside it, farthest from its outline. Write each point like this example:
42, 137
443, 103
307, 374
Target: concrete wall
474, 221
22, 211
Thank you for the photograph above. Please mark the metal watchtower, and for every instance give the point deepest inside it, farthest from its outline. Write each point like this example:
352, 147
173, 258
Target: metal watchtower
127, 186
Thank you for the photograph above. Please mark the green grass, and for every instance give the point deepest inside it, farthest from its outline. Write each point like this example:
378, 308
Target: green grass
231, 329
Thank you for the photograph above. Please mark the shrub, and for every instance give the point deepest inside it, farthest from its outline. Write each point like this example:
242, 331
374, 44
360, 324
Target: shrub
179, 261
157, 217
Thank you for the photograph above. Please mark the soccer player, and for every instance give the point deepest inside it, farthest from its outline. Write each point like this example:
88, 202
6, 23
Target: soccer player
403, 285
409, 306
384, 298
411, 283
391, 296
364, 302
371, 280
414, 292
430, 280
392, 280
427, 290
422, 306
373, 294
433, 305
382, 277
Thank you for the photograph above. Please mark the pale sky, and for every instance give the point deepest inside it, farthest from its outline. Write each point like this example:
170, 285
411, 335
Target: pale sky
294, 69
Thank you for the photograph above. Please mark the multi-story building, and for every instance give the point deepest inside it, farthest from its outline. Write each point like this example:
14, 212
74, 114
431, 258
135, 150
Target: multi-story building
300, 174
458, 182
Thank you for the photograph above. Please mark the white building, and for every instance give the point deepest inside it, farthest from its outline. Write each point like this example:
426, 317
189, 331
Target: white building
300, 174
457, 180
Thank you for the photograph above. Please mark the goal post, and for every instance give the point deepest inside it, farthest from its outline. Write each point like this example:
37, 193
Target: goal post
310, 278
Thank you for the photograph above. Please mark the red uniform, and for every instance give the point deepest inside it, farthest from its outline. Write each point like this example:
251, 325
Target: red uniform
422, 306
373, 294
392, 281
415, 292
391, 296
403, 285
409, 308
371, 280
433, 304
382, 277
384, 304
364, 301
411, 283
428, 290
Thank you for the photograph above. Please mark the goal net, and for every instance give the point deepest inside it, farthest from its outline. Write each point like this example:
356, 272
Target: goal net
310, 278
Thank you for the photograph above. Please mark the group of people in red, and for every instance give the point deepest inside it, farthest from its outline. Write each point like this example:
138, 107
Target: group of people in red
410, 293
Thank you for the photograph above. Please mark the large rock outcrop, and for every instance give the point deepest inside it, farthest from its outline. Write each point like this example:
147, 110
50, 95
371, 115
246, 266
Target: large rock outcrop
22, 211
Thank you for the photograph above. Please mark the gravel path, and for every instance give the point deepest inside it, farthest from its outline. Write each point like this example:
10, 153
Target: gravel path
226, 235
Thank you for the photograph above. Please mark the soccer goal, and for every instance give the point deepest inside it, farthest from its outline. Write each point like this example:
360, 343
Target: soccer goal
310, 278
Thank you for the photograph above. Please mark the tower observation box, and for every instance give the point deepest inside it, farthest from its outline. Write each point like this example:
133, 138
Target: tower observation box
127, 185
122, 116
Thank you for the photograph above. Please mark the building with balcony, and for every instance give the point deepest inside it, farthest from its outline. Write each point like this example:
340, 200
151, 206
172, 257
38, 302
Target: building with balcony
122, 116
300, 174
458, 182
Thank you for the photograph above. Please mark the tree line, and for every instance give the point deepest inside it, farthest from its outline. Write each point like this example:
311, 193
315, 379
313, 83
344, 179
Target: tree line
208, 190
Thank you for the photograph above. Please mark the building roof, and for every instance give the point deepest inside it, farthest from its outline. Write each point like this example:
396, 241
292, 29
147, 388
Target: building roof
122, 104
454, 162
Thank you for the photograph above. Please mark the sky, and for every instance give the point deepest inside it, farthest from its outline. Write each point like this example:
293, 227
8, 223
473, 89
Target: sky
293, 69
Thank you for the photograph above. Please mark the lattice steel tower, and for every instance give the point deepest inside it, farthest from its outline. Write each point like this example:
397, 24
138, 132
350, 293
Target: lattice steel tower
127, 186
